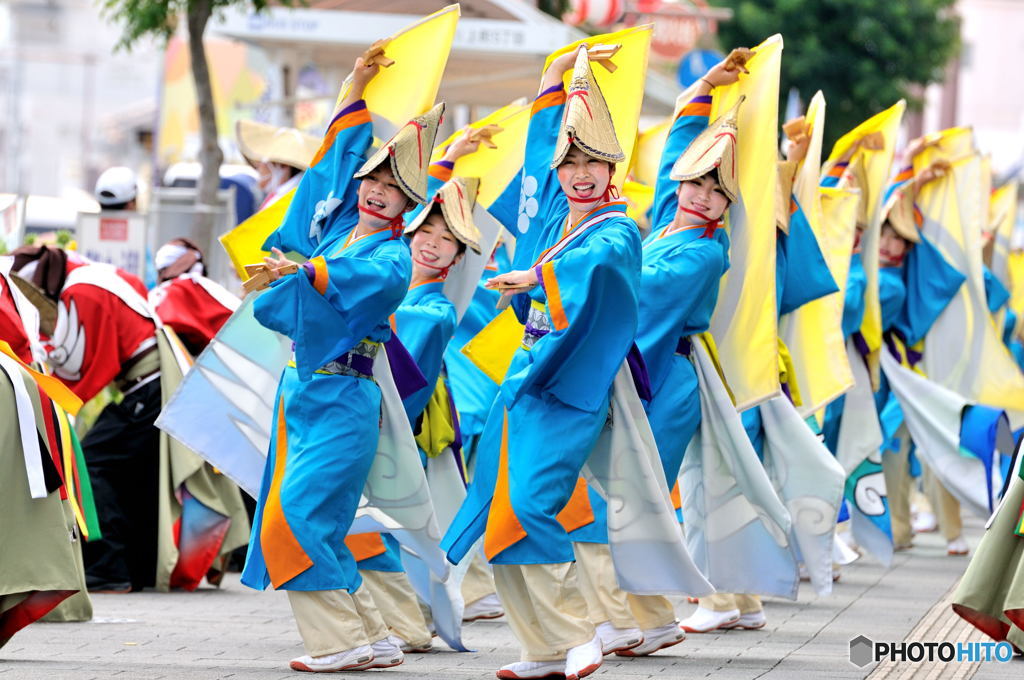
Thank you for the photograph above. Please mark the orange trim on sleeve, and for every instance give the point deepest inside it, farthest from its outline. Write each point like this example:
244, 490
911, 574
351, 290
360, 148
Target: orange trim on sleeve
677, 498
440, 172
348, 120
837, 170
548, 100
577, 512
503, 527
282, 552
365, 546
320, 277
905, 174
695, 109
558, 318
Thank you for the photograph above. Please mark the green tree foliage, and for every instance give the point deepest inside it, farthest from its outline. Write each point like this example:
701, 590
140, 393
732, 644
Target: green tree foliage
142, 20
864, 55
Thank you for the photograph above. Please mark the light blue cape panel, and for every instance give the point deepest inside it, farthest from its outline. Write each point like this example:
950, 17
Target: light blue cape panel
892, 294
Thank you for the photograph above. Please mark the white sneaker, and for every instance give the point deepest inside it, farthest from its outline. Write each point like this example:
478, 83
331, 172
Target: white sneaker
924, 522
350, 659
522, 670
386, 653
412, 649
657, 638
618, 639
486, 607
582, 660
958, 546
705, 620
749, 621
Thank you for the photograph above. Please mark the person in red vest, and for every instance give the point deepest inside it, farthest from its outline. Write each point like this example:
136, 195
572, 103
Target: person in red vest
185, 299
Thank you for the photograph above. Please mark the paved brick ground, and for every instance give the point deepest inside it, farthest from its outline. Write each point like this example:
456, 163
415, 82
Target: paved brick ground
238, 633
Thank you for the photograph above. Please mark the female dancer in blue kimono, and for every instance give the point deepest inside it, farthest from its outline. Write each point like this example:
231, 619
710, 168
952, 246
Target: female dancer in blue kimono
578, 261
684, 257
425, 322
335, 309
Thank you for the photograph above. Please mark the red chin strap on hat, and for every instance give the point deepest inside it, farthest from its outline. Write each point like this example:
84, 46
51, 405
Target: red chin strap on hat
710, 226
397, 223
610, 194
442, 272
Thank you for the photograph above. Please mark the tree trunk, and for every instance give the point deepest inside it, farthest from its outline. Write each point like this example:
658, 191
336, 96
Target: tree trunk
210, 154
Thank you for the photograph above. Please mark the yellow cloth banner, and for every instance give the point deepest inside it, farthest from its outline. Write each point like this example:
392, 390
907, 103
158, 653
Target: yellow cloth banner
409, 86
814, 332
963, 350
623, 89
744, 323
492, 348
1015, 267
437, 429
494, 167
404, 90
244, 243
647, 153
639, 199
876, 164
54, 388
1002, 213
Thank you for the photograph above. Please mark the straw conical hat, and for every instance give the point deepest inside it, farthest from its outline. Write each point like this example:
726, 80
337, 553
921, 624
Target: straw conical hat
784, 194
456, 197
262, 143
586, 121
900, 213
714, 149
409, 152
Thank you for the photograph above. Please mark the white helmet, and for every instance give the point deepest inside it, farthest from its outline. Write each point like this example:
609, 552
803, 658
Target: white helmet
116, 186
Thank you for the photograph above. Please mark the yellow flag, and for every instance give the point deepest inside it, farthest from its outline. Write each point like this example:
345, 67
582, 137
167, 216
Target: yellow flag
647, 155
876, 164
623, 89
400, 92
492, 348
1015, 268
409, 86
244, 243
1002, 211
639, 199
953, 144
813, 332
494, 167
963, 349
744, 323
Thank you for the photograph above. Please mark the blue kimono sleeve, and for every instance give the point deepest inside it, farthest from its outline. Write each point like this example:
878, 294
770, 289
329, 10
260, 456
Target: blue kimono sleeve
995, 292
853, 303
345, 300
591, 293
892, 294
542, 201
931, 284
678, 292
326, 199
425, 329
904, 176
807, 275
691, 121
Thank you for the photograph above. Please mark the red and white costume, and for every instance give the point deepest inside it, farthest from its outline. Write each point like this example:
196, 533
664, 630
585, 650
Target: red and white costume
194, 306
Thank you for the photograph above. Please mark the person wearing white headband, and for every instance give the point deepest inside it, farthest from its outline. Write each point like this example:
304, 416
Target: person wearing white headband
186, 300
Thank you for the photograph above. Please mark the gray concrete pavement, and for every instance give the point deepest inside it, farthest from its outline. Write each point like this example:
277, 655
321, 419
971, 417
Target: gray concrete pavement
236, 633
